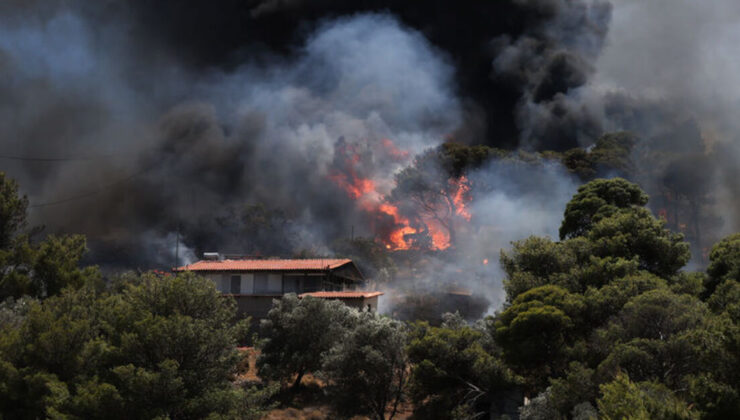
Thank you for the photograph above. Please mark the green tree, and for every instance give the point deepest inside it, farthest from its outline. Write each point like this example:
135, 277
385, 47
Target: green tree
674, 339
555, 314
637, 234
455, 369
624, 399
35, 269
296, 334
724, 263
596, 200
163, 346
611, 153
13, 209
366, 369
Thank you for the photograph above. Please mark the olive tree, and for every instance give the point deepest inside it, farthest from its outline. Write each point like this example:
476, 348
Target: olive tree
296, 333
367, 369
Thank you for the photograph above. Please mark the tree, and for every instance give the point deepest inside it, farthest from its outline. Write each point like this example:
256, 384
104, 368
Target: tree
162, 346
372, 258
366, 369
13, 209
611, 153
455, 369
427, 192
296, 334
637, 234
624, 399
556, 316
724, 263
535, 262
596, 200
673, 339
35, 269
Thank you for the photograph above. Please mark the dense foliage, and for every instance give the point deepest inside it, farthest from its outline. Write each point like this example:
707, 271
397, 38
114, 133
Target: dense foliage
35, 268
360, 355
605, 320
160, 347
600, 324
457, 371
297, 333
366, 369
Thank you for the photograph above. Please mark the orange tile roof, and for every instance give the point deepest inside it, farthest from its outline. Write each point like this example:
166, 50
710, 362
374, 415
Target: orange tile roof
343, 295
265, 265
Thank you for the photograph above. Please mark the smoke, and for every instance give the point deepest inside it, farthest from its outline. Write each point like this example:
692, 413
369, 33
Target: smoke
186, 150
242, 127
513, 199
551, 61
667, 74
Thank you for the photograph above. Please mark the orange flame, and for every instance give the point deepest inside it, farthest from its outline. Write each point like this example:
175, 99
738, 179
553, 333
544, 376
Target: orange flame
462, 197
354, 186
393, 151
366, 194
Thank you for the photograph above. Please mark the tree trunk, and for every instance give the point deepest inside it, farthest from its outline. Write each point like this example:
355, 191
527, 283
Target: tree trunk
297, 382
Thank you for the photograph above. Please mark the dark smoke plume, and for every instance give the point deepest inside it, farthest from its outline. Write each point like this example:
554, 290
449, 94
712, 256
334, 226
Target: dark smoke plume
231, 125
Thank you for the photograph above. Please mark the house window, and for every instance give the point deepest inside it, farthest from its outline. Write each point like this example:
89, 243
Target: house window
268, 283
260, 283
291, 284
236, 284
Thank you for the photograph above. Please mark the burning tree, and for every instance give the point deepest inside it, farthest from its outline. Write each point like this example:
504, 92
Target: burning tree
426, 200
427, 193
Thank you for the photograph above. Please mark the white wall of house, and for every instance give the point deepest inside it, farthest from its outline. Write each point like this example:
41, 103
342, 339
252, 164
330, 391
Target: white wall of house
217, 279
247, 283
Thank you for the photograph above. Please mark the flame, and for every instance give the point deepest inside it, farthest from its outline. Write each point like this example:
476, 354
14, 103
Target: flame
368, 196
462, 197
485, 261
354, 186
397, 238
393, 151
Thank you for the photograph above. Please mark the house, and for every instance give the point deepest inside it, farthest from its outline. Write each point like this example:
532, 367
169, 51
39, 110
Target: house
254, 283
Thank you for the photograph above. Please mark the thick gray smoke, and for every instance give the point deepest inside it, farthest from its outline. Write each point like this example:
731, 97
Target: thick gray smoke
676, 62
121, 124
512, 201
186, 149
552, 61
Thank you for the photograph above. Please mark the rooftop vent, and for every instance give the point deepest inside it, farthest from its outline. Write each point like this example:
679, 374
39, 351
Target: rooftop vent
211, 256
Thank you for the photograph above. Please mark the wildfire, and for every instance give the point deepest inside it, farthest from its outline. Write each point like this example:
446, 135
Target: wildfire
462, 197
393, 151
354, 186
397, 238
368, 196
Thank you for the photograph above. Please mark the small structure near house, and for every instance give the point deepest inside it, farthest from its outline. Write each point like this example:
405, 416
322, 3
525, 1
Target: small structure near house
254, 283
355, 299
